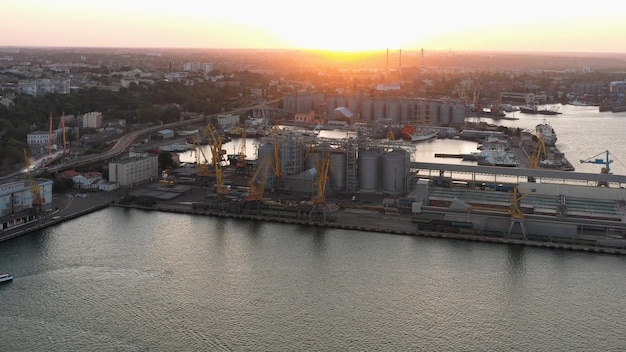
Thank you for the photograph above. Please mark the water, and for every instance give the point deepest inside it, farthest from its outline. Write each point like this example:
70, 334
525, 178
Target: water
583, 132
129, 280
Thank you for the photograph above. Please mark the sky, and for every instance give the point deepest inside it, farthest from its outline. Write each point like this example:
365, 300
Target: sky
337, 25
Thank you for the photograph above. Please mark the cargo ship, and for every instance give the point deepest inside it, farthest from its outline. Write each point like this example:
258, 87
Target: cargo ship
546, 132
536, 111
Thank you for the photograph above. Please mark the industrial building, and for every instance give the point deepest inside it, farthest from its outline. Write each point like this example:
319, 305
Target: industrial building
16, 200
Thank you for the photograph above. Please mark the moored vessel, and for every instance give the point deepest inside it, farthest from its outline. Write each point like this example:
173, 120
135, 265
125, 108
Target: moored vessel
4, 277
546, 132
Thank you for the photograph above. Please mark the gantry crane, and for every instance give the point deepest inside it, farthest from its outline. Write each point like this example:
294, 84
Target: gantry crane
319, 200
517, 216
217, 156
257, 186
538, 154
606, 162
202, 165
35, 189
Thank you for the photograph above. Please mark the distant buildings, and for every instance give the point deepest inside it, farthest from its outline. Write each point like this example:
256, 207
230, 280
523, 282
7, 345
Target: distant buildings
41, 139
197, 66
39, 87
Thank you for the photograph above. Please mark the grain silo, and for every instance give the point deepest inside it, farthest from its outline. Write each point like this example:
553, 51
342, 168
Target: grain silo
458, 115
367, 113
331, 104
369, 170
445, 114
422, 116
262, 151
395, 169
338, 171
433, 113
393, 111
380, 108
406, 106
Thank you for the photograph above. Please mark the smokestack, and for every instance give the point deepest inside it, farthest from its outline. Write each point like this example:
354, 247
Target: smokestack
422, 64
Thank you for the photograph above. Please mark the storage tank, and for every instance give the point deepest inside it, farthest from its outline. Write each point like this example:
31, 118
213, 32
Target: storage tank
311, 159
445, 114
393, 111
407, 109
331, 104
394, 171
353, 104
369, 169
342, 101
379, 109
338, 171
458, 115
367, 112
422, 116
266, 149
433, 113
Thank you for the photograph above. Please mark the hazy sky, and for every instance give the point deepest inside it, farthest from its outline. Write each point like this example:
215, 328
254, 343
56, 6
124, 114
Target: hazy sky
319, 24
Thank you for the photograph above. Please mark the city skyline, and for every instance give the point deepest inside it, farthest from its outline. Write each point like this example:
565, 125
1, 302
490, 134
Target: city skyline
337, 26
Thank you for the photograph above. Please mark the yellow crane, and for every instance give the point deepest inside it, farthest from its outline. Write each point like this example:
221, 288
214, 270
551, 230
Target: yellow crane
217, 155
35, 189
538, 154
319, 200
201, 164
257, 186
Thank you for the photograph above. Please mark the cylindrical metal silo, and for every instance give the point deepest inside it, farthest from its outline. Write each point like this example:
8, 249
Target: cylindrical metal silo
311, 159
367, 112
379, 109
458, 115
338, 171
393, 111
405, 106
353, 104
433, 113
445, 114
394, 171
266, 149
422, 116
342, 101
331, 104
369, 169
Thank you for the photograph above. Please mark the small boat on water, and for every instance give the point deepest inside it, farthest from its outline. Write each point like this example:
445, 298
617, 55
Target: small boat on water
536, 111
4, 277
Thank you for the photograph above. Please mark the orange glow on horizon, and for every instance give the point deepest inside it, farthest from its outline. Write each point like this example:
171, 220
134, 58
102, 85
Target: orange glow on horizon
339, 26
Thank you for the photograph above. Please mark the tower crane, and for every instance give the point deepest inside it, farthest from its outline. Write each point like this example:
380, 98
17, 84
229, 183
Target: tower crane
606, 162
35, 189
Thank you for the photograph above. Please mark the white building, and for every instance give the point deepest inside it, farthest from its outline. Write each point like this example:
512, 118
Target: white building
131, 171
92, 120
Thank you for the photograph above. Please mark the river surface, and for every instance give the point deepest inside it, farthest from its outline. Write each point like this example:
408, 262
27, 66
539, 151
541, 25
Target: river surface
131, 280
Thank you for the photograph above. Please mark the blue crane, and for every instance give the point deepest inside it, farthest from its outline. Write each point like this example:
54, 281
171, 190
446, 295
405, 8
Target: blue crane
595, 160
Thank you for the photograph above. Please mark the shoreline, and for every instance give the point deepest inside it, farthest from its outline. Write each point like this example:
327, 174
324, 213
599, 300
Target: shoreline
344, 219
